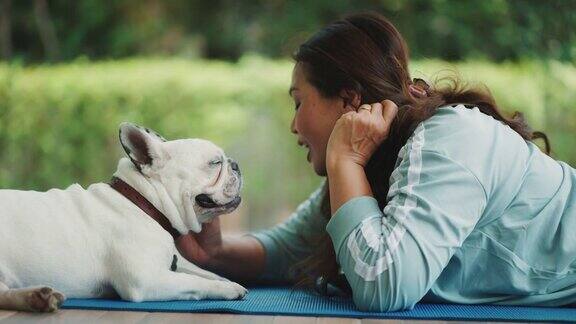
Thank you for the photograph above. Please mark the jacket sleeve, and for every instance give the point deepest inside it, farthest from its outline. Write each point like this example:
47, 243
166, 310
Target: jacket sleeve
391, 258
292, 240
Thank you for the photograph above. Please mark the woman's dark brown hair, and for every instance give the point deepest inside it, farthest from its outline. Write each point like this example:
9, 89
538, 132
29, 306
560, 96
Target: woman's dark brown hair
365, 54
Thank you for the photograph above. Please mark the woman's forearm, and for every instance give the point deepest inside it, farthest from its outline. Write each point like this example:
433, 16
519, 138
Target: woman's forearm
241, 258
346, 180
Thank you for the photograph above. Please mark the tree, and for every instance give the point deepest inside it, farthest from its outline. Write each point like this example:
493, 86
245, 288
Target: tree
46, 30
5, 29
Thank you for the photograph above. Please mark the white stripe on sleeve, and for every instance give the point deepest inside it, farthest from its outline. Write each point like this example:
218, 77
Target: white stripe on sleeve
374, 236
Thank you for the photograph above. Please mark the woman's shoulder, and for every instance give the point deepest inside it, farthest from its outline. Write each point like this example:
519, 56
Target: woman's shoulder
458, 120
459, 131
473, 140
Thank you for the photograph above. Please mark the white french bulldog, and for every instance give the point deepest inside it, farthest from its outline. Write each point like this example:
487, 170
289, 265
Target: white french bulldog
103, 241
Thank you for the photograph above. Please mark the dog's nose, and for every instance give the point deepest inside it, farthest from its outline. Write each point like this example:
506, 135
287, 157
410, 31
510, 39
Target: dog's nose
234, 166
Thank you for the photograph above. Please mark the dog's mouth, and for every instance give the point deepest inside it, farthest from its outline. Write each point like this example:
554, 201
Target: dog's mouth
205, 201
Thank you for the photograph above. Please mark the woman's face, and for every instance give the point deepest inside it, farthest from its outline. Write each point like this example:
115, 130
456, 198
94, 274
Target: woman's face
314, 118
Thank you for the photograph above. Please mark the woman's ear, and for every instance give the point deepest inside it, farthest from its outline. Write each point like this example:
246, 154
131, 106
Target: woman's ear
351, 98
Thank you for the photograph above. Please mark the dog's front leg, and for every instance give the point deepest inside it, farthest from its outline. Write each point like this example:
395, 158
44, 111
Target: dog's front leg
185, 266
169, 285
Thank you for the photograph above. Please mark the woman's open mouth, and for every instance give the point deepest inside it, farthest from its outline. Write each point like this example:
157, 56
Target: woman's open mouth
308, 157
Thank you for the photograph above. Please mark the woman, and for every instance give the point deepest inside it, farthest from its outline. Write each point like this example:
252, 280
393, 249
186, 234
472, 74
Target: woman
431, 194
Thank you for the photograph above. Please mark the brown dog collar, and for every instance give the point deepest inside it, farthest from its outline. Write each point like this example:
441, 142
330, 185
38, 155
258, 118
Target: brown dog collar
135, 197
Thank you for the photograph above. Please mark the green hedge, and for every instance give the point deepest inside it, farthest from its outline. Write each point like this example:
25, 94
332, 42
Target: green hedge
58, 124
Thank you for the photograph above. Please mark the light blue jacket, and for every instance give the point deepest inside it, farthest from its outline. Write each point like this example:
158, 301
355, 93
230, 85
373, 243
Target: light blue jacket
475, 214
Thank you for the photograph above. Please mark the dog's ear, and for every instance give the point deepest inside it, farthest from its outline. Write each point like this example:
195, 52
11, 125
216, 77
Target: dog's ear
142, 145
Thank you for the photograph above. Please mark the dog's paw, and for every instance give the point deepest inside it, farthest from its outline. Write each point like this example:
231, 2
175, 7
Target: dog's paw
44, 299
241, 290
232, 290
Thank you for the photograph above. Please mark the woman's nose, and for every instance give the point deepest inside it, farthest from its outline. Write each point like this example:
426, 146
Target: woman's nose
293, 126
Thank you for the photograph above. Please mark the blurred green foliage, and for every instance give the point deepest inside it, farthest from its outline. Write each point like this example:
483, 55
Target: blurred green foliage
58, 124
447, 29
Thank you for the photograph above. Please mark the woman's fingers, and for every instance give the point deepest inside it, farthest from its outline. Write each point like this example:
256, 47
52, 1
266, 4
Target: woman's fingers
390, 109
357, 133
364, 108
377, 109
387, 108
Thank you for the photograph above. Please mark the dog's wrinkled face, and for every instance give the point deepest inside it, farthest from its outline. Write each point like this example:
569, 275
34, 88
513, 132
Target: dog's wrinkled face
201, 181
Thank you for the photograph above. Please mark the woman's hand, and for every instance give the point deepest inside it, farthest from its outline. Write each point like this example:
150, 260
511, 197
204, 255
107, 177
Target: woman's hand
202, 248
357, 134
239, 258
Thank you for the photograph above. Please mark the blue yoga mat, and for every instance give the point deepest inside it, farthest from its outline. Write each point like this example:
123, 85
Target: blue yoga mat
284, 301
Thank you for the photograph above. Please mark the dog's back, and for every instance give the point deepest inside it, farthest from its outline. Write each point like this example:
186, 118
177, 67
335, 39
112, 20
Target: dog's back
58, 237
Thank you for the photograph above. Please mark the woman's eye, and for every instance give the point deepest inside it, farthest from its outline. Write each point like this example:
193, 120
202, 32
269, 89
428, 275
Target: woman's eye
297, 106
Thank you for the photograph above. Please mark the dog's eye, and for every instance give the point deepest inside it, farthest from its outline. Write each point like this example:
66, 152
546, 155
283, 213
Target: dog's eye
215, 162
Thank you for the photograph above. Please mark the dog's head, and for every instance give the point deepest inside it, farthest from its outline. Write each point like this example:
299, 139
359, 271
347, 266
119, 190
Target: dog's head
195, 174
